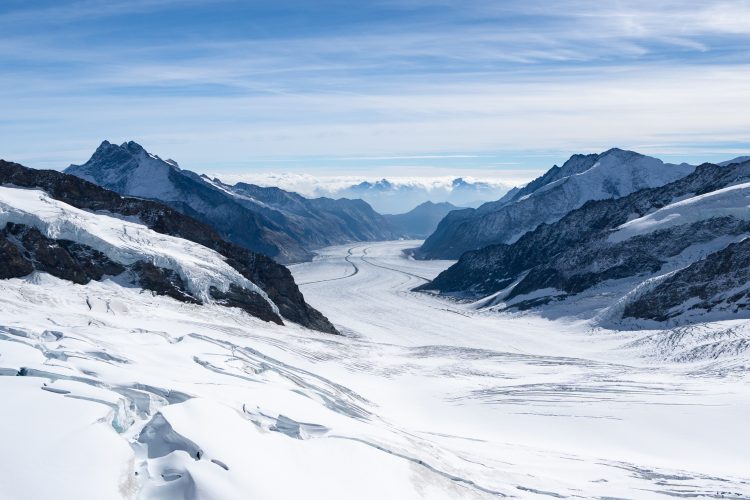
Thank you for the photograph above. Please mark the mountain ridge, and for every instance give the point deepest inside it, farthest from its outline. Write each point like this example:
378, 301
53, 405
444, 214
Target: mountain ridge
651, 232
613, 173
285, 232
420, 221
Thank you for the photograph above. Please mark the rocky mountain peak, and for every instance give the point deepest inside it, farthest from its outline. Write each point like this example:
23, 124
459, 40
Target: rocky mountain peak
133, 147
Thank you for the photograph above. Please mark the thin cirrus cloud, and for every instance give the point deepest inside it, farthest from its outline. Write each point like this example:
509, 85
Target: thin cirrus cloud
479, 86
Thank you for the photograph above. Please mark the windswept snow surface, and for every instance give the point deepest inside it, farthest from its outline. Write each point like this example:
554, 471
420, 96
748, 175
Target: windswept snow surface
113, 393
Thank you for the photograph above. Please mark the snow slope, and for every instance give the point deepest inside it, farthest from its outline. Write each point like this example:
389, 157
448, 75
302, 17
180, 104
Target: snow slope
112, 393
732, 201
124, 241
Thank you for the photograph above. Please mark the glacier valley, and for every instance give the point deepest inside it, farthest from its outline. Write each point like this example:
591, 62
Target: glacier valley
141, 396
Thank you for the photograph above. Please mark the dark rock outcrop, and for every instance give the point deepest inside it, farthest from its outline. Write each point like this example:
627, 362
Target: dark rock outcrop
274, 279
161, 281
12, 262
718, 283
63, 259
26, 249
581, 268
248, 301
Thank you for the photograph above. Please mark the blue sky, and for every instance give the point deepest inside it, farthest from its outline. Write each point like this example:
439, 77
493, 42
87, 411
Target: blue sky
417, 87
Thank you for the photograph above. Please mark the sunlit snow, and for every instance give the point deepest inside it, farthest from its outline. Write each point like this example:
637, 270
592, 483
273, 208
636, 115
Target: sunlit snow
128, 395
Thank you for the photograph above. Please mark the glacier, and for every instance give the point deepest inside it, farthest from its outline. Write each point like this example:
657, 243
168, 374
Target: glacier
113, 393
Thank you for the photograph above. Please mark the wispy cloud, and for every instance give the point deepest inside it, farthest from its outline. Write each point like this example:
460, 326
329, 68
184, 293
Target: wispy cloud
58, 13
468, 84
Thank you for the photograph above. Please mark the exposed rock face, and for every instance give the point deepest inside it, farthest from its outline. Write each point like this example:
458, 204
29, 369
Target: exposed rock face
718, 283
579, 269
162, 281
612, 174
271, 277
282, 225
421, 221
12, 262
27, 250
278, 283
61, 258
583, 250
246, 300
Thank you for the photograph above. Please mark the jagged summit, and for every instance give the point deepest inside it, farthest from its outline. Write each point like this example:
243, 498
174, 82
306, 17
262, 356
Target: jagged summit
128, 169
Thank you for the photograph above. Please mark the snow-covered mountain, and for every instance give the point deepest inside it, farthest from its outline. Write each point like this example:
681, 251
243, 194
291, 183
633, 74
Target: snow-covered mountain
282, 225
678, 252
62, 225
582, 178
399, 196
421, 221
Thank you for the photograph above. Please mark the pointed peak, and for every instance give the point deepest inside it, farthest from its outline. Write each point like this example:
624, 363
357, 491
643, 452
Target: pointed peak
105, 146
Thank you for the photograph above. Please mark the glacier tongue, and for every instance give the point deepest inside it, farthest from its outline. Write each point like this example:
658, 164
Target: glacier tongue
123, 241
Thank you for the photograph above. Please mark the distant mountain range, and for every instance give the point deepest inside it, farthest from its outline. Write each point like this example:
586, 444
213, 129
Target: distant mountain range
421, 221
392, 197
678, 252
582, 178
277, 223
